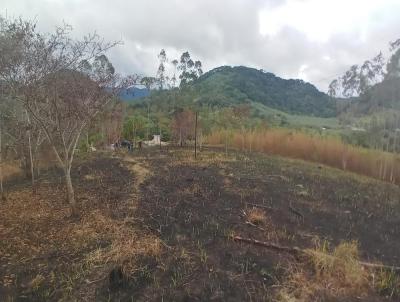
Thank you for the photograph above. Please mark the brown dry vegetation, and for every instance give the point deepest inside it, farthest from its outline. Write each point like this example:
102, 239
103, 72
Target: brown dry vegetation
159, 227
45, 255
11, 170
336, 274
256, 216
329, 151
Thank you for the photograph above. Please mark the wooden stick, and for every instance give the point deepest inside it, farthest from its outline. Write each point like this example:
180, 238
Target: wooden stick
271, 246
381, 266
260, 206
297, 252
296, 212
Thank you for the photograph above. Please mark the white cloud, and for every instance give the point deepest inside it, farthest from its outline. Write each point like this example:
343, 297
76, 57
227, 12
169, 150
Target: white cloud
319, 20
312, 39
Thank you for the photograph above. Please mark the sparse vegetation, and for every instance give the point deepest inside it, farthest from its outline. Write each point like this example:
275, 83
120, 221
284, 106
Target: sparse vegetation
256, 216
329, 151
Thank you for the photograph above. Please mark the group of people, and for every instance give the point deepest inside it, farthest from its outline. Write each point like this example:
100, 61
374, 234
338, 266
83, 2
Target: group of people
126, 144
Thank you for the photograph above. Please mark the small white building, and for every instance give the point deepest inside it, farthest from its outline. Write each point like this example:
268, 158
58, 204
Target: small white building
155, 141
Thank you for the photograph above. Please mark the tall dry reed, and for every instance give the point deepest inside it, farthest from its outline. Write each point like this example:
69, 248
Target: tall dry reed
325, 150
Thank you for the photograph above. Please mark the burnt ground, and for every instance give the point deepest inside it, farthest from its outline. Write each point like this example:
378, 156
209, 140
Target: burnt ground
159, 227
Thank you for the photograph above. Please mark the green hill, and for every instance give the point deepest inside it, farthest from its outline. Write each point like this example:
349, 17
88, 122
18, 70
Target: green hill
381, 97
228, 86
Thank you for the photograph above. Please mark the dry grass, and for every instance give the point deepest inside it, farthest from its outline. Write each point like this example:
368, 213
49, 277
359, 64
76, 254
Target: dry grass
387, 283
10, 170
127, 245
329, 151
256, 216
336, 273
35, 227
341, 266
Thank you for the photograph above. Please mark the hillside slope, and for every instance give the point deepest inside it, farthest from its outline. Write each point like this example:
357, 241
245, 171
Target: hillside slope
133, 93
160, 226
228, 86
382, 96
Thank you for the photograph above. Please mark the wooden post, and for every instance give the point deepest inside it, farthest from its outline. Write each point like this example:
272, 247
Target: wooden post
159, 129
2, 196
31, 154
148, 120
195, 137
134, 134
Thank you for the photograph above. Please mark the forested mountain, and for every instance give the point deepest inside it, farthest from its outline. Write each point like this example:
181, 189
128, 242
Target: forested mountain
133, 93
374, 85
382, 96
228, 86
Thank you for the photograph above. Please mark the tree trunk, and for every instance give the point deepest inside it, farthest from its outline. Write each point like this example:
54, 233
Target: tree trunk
195, 137
2, 195
31, 163
226, 142
32, 168
243, 139
87, 142
134, 135
70, 193
159, 128
148, 121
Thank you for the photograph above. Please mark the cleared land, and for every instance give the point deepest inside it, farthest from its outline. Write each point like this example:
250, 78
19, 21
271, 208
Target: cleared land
161, 226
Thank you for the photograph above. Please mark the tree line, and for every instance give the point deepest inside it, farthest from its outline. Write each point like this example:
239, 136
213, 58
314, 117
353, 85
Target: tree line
184, 71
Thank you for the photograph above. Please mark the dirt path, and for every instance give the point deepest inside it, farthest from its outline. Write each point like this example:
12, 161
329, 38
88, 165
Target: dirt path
141, 172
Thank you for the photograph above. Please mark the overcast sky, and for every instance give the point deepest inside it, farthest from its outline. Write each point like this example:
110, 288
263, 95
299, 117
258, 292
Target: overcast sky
315, 40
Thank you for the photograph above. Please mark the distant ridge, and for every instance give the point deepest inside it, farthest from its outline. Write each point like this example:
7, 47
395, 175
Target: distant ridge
133, 93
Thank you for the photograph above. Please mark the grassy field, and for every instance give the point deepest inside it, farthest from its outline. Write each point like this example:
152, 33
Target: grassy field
162, 226
299, 121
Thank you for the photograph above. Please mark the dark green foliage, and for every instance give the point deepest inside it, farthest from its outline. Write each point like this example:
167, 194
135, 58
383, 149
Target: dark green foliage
384, 95
271, 100
229, 86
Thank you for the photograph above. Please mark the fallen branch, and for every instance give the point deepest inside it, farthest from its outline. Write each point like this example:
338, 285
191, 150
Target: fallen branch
296, 212
278, 176
271, 246
260, 206
381, 266
94, 281
254, 225
300, 252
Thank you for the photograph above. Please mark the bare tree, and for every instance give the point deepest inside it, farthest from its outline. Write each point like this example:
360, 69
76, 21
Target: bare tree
241, 113
183, 126
64, 107
226, 121
148, 82
62, 83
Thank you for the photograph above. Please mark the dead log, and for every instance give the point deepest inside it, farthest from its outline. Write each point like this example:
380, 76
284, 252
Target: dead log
295, 251
395, 269
290, 250
260, 206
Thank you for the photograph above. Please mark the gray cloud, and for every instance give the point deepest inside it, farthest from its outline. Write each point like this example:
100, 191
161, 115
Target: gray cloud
228, 31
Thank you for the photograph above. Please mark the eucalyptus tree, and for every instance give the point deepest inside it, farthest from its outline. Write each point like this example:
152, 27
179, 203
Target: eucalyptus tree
161, 77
